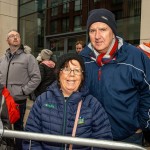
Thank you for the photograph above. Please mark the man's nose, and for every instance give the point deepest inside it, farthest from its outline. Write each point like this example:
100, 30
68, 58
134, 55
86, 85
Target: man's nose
97, 34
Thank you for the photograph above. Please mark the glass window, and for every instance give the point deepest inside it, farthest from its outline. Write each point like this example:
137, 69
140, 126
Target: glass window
57, 46
117, 1
126, 28
54, 3
54, 11
32, 7
65, 25
24, 1
97, 1
60, 45
28, 31
54, 27
41, 4
31, 28
78, 5
71, 45
41, 28
65, 8
119, 14
77, 23
28, 8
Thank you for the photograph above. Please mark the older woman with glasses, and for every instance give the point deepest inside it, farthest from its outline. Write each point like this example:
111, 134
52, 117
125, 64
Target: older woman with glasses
67, 109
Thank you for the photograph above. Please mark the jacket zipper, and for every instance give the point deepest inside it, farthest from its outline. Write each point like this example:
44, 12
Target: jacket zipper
8, 71
64, 120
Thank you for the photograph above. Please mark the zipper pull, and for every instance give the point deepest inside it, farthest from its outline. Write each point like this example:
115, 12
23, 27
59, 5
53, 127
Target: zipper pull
99, 74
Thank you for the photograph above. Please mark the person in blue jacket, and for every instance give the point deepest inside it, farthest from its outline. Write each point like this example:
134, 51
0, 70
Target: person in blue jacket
118, 75
55, 110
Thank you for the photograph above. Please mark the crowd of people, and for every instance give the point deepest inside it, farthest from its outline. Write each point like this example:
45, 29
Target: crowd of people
102, 91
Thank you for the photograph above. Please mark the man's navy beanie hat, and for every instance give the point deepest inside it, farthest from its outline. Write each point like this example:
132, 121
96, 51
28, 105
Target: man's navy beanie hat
102, 15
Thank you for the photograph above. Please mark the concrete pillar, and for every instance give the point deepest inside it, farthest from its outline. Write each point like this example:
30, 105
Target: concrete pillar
145, 21
8, 21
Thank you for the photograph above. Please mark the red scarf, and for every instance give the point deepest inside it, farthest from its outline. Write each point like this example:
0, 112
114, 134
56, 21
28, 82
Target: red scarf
103, 57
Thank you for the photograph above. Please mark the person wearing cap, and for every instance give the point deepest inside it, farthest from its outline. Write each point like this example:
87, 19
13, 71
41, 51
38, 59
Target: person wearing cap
55, 111
118, 75
47, 67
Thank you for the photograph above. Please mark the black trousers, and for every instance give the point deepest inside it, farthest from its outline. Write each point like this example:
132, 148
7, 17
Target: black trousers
147, 135
19, 124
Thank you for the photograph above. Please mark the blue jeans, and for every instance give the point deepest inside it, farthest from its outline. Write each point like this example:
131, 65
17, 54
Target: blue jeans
136, 138
19, 124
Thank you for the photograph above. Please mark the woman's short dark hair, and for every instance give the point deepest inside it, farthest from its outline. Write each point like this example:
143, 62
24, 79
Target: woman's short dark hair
65, 59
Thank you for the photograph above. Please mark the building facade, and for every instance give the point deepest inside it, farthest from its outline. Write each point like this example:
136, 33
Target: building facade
58, 24
8, 21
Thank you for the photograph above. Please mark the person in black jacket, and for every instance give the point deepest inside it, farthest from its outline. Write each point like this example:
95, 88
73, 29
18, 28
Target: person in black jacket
47, 67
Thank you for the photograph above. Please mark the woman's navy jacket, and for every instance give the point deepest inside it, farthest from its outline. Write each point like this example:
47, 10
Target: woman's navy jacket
123, 88
52, 114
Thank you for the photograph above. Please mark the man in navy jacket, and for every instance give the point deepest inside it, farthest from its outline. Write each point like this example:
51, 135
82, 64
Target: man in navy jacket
118, 75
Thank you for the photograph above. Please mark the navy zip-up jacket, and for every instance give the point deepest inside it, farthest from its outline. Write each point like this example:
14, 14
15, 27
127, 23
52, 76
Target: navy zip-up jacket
123, 88
52, 114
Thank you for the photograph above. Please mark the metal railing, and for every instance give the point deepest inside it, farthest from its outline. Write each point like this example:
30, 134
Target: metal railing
68, 140
71, 140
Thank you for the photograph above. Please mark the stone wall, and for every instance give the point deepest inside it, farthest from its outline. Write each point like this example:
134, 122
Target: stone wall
8, 21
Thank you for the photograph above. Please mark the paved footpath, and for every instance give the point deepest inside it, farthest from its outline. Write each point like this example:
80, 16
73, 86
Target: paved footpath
29, 105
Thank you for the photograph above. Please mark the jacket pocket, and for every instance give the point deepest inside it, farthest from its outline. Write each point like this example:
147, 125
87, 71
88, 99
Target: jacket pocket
17, 90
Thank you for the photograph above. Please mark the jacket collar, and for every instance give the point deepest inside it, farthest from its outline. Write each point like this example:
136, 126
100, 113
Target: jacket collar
19, 51
121, 54
74, 98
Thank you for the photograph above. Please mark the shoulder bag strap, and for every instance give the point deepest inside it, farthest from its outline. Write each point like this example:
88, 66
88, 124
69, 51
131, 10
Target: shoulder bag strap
76, 123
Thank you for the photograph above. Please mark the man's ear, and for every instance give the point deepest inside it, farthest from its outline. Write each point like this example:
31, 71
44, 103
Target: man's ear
113, 36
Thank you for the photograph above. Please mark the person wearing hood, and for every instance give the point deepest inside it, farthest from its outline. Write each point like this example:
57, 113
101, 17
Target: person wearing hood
47, 67
118, 75
67, 109
27, 49
20, 73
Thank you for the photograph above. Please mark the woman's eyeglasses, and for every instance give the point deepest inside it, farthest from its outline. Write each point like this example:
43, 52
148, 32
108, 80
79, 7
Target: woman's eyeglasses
75, 71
